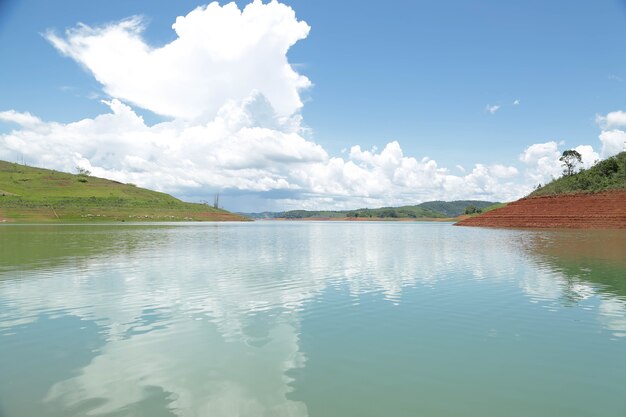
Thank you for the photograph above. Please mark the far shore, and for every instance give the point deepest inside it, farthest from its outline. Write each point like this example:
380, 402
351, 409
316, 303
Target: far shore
371, 219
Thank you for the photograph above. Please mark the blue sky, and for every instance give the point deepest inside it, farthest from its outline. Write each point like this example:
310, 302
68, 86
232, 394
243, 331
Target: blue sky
419, 73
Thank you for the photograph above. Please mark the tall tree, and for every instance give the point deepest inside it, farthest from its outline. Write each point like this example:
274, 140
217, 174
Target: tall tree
570, 159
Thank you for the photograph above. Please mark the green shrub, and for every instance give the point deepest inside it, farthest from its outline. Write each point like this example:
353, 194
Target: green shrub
472, 209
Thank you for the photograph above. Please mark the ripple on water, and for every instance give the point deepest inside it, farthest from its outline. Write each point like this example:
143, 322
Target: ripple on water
309, 319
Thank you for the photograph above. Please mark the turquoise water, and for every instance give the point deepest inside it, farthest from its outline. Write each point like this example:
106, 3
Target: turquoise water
311, 319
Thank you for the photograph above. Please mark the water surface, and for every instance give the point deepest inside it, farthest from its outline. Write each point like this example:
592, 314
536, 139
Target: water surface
311, 319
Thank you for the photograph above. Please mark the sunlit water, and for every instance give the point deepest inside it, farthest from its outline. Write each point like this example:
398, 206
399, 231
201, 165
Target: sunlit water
323, 319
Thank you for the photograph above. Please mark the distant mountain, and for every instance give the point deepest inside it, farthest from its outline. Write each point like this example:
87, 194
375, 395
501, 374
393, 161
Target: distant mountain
29, 194
455, 208
431, 209
266, 215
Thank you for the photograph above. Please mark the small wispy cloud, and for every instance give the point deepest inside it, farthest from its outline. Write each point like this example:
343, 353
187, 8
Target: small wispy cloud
92, 95
492, 109
516, 102
614, 77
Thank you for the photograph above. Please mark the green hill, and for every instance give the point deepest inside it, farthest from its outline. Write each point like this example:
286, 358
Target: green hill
412, 212
31, 194
609, 174
431, 209
454, 208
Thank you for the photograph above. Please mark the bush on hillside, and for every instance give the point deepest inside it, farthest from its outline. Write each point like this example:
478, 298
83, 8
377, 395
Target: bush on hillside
472, 209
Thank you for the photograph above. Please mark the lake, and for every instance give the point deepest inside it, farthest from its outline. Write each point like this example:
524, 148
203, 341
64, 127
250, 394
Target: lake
320, 319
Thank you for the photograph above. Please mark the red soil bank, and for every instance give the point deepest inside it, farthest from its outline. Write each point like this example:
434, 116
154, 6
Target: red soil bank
605, 210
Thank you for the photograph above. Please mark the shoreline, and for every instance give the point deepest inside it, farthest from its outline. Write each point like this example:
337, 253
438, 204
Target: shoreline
601, 210
46, 215
368, 219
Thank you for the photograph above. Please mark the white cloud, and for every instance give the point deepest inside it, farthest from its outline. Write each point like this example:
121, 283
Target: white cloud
237, 149
542, 160
390, 177
516, 102
502, 171
247, 148
613, 138
588, 155
613, 142
492, 109
612, 120
221, 53
22, 119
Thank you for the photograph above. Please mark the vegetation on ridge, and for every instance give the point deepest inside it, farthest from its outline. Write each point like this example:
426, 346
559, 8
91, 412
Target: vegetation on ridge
609, 174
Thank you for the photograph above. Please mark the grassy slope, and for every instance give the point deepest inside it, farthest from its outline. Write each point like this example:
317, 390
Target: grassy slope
493, 207
609, 174
35, 194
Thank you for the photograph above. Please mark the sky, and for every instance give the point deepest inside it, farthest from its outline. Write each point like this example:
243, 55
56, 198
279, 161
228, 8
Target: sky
313, 104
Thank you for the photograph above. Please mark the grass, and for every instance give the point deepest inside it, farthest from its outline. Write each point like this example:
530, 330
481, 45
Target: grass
609, 174
29, 194
493, 207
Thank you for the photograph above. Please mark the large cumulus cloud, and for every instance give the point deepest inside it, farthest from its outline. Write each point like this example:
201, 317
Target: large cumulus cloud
220, 53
